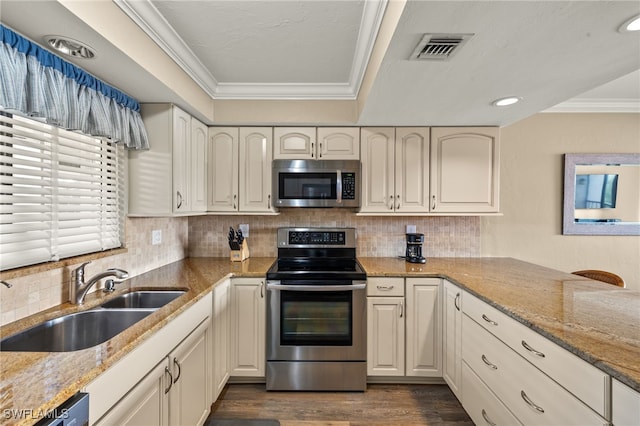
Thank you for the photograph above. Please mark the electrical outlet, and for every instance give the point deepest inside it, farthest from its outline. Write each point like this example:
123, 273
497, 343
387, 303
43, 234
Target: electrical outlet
411, 229
244, 227
156, 237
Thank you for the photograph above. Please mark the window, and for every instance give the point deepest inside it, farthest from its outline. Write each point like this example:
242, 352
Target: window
61, 193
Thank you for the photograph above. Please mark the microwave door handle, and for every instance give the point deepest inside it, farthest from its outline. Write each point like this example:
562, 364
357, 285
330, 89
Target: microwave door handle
274, 286
339, 186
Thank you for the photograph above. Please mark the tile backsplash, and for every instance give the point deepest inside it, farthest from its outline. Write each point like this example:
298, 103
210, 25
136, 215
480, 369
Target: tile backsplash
39, 291
206, 236
376, 235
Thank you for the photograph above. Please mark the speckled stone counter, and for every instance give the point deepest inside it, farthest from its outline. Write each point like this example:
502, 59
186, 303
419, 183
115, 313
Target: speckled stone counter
596, 321
32, 383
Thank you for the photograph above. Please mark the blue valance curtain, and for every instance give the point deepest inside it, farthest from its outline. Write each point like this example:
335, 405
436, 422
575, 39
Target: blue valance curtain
37, 83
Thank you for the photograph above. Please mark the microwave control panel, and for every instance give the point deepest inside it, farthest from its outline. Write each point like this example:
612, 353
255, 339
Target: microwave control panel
348, 186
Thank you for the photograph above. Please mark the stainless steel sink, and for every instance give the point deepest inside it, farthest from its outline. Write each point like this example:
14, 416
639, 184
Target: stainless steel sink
152, 299
74, 332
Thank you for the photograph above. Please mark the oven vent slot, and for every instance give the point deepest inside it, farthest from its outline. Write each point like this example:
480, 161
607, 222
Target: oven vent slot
439, 47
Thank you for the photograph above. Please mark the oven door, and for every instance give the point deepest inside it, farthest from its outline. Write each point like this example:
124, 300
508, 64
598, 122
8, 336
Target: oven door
316, 321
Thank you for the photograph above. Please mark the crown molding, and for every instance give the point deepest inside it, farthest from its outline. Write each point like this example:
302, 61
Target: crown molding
151, 21
597, 105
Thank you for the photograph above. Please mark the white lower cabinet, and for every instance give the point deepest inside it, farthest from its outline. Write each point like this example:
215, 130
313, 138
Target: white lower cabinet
482, 405
625, 405
221, 336
167, 380
248, 329
424, 332
531, 395
145, 404
403, 332
175, 392
452, 337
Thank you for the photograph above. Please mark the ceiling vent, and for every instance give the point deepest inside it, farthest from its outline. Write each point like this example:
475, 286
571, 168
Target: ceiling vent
439, 47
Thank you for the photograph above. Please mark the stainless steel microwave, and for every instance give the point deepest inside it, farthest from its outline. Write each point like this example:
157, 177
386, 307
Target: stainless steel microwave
316, 183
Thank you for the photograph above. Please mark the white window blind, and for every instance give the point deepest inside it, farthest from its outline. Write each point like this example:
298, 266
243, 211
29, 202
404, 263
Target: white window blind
61, 193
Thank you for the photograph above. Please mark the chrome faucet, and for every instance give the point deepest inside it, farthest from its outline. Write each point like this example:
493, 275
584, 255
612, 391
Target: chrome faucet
79, 288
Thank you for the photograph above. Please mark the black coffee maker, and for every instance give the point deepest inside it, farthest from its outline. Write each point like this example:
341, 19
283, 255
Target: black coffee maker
414, 248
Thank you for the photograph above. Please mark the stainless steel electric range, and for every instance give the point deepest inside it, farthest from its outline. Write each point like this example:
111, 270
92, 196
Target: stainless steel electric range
316, 312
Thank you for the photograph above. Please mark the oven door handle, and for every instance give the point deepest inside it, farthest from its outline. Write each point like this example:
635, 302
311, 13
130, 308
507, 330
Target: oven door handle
275, 285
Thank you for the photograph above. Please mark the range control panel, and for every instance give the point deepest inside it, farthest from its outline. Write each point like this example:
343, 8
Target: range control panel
333, 238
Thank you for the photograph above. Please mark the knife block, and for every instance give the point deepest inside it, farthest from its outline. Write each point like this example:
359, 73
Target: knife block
240, 255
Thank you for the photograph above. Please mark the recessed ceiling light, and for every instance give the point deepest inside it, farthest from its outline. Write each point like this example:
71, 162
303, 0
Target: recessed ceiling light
70, 47
630, 25
510, 100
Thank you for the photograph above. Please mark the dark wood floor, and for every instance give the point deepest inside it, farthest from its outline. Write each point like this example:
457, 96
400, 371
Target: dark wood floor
380, 404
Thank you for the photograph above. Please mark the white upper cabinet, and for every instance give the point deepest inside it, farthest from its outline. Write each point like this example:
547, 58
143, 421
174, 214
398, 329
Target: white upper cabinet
311, 143
465, 169
294, 143
223, 169
169, 178
239, 174
256, 156
395, 169
338, 143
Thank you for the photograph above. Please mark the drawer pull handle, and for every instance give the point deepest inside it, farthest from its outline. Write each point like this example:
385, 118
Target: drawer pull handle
456, 302
489, 320
385, 287
401, 309
533, 351
531, 403
486, 418
491, 365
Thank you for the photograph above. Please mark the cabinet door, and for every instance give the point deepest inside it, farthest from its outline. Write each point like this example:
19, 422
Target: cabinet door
452, 337
190, 393
412, 169
385, 336
424, 341
198, 166
181, 160
625, 404
223, 150
338, 143
256, 155
294, 143
377, 151
465, 169
221, 336
248, 317
145, 404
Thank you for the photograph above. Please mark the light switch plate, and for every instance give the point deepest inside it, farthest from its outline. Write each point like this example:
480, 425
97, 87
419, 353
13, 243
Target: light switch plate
244, 227
411, 229
156, 237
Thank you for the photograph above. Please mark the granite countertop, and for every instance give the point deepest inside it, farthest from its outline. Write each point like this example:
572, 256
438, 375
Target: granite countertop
598, 322
35, 382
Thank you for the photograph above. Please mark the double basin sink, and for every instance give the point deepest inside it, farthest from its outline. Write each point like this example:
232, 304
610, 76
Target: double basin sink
85, 329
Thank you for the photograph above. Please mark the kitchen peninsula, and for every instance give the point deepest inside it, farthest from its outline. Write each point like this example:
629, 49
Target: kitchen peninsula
592, 320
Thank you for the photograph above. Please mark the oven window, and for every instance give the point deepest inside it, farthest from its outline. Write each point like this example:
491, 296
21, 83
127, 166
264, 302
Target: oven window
307, 186
313, 318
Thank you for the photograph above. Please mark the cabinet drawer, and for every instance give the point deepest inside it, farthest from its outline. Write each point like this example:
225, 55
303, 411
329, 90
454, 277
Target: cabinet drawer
585, 381
481, 404
532, 396
384, 286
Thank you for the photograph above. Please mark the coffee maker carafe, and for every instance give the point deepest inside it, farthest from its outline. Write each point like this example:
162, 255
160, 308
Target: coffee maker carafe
414, 248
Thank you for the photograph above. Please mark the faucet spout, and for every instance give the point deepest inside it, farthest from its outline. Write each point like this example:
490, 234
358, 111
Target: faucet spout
79, 288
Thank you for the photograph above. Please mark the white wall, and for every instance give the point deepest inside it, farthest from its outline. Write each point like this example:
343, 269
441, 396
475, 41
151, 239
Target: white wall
532, 166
